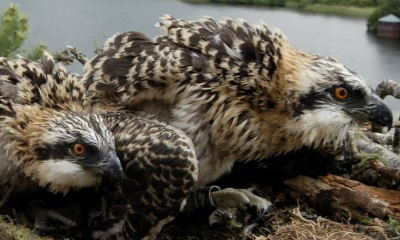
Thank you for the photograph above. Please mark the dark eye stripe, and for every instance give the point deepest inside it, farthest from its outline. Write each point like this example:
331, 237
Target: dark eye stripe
354, 94
314, 98
65, 151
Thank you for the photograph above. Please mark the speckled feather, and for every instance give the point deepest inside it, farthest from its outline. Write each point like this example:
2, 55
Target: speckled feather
239, 91
160, 169
159, 161
42, 105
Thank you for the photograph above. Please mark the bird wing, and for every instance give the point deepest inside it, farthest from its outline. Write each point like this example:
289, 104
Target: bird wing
232, 46
218, 40
160, 170
192, 54
133, 68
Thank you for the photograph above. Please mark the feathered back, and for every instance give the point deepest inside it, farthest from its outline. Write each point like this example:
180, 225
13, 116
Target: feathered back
232, 54
46, 84
229, 41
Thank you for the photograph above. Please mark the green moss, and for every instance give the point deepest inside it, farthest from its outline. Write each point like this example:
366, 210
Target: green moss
395, 224
9, 231
367, 221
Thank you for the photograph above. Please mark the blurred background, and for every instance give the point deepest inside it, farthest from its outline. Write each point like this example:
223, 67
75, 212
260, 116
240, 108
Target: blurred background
335, 28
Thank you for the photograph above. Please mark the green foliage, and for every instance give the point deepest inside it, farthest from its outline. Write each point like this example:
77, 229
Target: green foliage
386, 7
272, 3
13, 29
367, 221
299, 3
9, 231
351, 11
357, 3
35, 53
395, 224
354, 8
13, 32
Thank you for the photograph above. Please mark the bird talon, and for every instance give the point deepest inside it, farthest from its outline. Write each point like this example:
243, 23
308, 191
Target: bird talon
244, 200
48, 220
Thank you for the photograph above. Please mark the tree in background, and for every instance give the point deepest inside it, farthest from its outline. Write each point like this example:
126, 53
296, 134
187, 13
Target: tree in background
387, 7
272, 3
13, 32
358, 3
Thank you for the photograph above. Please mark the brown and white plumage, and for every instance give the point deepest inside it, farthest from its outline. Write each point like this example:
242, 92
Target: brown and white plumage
234, 91
240, 92
160, 170
43, 112
42, 119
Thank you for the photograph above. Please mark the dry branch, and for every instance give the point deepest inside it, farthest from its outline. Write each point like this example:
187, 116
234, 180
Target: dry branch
367, 148
388, 172
344, 197
380, 138
388, 88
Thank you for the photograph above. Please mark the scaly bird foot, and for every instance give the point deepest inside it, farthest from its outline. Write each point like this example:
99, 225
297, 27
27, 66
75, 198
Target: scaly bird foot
48, 220
241, 199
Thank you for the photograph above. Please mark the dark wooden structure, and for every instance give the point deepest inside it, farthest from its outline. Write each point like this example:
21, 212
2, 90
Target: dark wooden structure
389, 26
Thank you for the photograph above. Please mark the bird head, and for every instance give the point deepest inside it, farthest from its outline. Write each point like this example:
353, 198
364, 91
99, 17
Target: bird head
327, 98
63, 150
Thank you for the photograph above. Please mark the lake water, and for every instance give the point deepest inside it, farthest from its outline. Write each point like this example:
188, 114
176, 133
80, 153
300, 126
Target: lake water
82, 22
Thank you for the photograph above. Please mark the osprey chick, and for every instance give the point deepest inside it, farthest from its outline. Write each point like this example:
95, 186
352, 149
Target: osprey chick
240, 92
46, 132
62, 142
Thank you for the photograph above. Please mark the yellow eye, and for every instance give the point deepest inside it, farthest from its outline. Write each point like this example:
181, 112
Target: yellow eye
341, 93
79, 149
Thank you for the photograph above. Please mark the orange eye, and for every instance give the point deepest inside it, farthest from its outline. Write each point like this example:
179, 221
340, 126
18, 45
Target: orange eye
341, 93
79, 149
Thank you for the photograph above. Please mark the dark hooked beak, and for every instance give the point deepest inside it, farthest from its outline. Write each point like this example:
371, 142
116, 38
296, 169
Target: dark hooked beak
380, 113
111, 166
375, 111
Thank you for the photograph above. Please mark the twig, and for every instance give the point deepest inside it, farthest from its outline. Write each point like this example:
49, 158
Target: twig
388, 88
385, 171
6, 196
365, 146
68, 54
381, 138
396, 140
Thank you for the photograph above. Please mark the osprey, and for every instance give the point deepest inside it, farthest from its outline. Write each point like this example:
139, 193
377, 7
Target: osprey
55, 139
47, 134
239, 92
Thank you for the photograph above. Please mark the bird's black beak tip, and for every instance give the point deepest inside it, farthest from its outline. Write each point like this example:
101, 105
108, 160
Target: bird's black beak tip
111, 167
381, 114
118, 175
115, 173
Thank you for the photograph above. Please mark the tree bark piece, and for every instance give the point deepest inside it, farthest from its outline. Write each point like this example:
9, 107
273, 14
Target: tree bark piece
385, 171
344, 197
365, 146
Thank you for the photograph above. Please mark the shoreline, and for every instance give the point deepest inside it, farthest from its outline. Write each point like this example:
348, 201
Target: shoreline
340, 10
